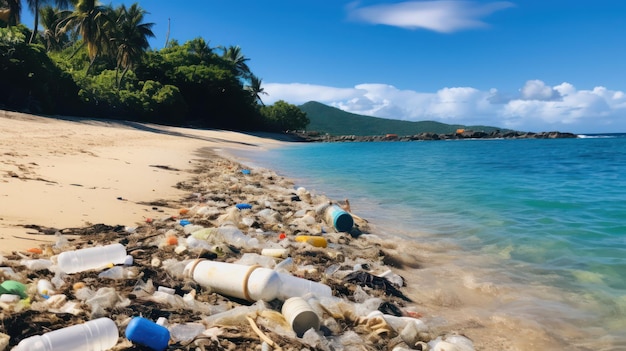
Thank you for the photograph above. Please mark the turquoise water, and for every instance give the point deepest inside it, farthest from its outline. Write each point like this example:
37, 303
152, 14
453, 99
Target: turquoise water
546, 214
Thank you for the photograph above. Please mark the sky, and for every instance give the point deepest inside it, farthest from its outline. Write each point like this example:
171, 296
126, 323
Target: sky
530, 65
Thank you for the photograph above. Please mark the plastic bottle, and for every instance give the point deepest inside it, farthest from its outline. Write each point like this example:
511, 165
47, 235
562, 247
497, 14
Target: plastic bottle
339, 219
97, 335
147, 333
317, 241
292, 286
251, 283
91, 258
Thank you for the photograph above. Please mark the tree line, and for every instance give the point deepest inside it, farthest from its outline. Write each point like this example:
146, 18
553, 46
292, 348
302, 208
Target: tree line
84, 58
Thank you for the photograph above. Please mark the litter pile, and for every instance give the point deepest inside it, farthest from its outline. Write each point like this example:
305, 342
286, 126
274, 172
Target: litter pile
246, 262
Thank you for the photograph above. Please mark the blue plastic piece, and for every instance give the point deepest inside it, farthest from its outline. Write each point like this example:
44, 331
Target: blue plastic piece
245, 171
244, 206
146, 333
184, 222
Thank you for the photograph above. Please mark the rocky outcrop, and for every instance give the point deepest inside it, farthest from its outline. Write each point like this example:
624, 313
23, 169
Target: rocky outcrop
317, 137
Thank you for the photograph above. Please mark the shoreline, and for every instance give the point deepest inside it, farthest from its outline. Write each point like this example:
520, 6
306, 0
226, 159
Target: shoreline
181, 171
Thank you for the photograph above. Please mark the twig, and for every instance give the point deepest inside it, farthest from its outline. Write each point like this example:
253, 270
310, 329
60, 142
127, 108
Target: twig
262, 335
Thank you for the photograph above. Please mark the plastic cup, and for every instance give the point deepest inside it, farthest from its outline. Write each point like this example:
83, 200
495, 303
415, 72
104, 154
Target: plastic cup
300, 315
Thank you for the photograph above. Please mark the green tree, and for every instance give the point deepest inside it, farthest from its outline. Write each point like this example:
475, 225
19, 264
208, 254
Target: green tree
255, 88
200, 49
49, 17
11, 14
130, 37
36, 82
34, 5
234, 55
91, 21
283, 116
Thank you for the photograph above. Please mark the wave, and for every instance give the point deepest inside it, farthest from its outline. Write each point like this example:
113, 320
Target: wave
602, 135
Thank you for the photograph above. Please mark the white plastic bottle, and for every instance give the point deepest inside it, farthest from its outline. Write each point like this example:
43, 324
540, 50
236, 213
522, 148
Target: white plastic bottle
252, 283
91, 258
97, 335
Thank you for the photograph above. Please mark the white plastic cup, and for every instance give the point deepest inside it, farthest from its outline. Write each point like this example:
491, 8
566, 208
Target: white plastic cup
91, 258
300, 315
97, 335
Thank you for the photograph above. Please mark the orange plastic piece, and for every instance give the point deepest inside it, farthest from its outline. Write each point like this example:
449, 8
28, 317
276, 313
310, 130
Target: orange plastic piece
183, 211
35, 250
171, 240
78, 285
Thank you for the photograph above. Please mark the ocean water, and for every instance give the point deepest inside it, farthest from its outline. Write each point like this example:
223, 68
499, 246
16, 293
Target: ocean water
517, 233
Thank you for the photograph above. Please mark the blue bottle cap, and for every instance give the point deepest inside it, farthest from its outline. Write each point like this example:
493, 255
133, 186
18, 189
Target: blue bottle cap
243, 206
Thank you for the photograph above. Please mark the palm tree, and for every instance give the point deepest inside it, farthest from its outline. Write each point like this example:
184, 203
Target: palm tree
34, 5
49, 18
90, 20
131, 37
255, 88
233, 55
200, 48
12, 15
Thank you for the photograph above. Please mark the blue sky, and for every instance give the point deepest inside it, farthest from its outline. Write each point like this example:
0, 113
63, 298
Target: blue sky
535, 65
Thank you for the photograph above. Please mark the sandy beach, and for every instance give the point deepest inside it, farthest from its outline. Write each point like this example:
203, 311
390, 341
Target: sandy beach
69, 175
71, 172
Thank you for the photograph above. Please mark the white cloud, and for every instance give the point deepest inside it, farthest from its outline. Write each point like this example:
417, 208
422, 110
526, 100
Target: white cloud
538, 107
444, 16
298, 93
538, 90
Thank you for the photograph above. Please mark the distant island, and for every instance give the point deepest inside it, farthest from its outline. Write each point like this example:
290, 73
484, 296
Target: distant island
328, 124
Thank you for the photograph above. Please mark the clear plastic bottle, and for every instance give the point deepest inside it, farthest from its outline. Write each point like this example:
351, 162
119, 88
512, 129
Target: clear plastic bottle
91, 258
97, 335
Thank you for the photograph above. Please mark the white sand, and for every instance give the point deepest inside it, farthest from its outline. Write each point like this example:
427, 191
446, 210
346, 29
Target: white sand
67, 173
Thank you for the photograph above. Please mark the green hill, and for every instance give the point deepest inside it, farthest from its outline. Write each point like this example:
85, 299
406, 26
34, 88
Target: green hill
333, 121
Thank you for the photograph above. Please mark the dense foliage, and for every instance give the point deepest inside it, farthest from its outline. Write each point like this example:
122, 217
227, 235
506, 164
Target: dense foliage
30, 79
95, 61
